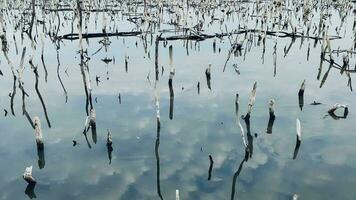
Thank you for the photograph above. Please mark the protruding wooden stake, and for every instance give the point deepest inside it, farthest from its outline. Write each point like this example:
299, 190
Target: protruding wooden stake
208, 76
272, 117
27, 175
299, 139
301, 95
38, 132
109, 146
92, 124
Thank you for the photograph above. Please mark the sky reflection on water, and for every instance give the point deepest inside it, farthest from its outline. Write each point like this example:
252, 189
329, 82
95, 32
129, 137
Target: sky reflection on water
203, 124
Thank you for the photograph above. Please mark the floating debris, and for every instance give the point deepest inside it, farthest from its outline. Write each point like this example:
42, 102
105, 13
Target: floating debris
315, 103
106, 60
337, 106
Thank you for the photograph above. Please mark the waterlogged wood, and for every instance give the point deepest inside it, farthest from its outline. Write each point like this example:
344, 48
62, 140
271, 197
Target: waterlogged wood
299, 139
237, 110
301, 95
159, 193
109, 146
38, 131
39, 94
170, 83
198, 87
280, 34
92, 124
27, 175
298, 129
272, 116
252, 99
76, 36
337, 106
210, 167
208, 76
237, 173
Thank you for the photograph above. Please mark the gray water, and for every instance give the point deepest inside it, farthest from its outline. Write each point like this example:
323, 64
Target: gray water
203, 124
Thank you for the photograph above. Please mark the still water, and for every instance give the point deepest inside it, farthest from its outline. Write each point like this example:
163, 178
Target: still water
145, 164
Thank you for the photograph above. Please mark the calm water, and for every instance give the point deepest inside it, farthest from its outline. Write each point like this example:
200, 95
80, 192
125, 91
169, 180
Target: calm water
203, 124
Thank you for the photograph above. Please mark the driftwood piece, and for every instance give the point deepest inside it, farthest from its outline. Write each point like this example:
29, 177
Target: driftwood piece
337, 106
280, 34
75, 36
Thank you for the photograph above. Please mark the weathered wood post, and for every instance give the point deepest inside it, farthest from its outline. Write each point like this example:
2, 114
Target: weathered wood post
170, 83
246, 118
208, 76
299, 139
39, 142
237, 106
210, 167
109, 146
272, 117
301, 95
27, 175
38, 132
92, 124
